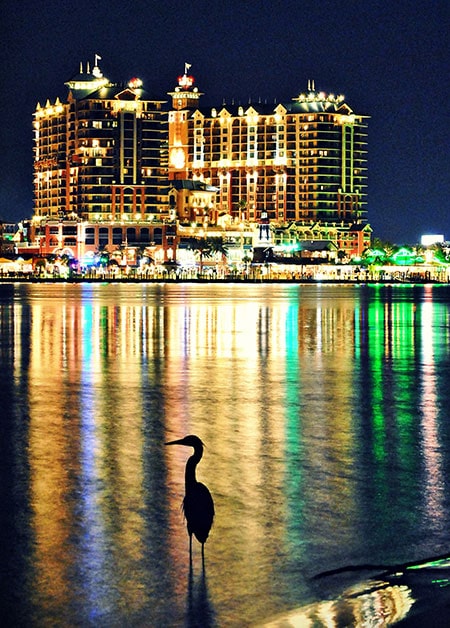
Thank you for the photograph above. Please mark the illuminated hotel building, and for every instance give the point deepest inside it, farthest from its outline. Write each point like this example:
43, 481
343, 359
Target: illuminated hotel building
99, 158
115, 169
299, 165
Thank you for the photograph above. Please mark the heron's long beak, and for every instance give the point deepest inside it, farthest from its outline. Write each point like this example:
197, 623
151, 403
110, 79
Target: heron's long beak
176, 442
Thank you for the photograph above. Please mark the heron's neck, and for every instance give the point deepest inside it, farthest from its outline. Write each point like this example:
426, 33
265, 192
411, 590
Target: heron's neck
191, 466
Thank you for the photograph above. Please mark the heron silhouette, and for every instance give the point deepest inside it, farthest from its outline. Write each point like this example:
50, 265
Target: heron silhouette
198, 505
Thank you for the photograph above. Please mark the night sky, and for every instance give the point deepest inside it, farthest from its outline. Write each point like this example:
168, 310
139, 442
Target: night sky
390, 59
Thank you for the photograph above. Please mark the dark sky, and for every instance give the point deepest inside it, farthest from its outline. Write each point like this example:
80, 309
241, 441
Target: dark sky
390, 59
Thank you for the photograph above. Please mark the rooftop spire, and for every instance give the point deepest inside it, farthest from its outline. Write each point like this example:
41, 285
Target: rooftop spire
86, 81
96, 70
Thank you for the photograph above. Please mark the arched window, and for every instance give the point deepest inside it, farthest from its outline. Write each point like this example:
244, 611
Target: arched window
89, 237
131, 235
103, 236
117, 237
157, 235
145, 234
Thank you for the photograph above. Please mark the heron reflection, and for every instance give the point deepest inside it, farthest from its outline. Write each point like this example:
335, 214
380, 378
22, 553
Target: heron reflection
198, 505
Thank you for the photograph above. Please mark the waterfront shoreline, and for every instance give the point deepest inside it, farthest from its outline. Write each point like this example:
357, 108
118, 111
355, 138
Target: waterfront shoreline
231, 280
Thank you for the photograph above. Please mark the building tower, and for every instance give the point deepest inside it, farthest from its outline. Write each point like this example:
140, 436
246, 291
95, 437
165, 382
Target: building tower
331, 144
101, 155
185, 99
299, 165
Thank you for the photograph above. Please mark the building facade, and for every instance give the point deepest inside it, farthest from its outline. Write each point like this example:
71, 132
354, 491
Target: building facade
101, 154
115, 169
301, 163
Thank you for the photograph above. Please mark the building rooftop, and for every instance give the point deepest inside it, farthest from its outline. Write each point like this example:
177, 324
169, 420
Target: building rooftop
93, 85
311, 102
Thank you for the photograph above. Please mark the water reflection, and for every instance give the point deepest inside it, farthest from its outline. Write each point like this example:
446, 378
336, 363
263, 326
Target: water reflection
373, 603
200, 611
323, 410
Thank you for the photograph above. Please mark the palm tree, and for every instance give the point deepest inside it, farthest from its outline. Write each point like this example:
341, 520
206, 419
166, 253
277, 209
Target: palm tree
381, 245
68, 262
217, 245
200, 247
102, 255
208, 247
40, 266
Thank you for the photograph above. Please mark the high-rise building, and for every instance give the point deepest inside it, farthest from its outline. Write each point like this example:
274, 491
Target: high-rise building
300, 165
115, 169
101, 155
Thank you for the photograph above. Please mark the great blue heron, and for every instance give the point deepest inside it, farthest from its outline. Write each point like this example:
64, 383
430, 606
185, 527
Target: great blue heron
198, 504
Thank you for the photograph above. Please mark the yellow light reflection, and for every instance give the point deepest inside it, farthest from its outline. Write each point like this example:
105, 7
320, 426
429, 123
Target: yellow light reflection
269, 383
86, 435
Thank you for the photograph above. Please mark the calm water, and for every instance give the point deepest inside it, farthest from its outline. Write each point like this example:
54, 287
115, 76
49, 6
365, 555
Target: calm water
325, 413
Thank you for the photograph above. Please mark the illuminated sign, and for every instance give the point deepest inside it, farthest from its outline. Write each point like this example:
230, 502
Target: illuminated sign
135, 83
185, 81
428, 240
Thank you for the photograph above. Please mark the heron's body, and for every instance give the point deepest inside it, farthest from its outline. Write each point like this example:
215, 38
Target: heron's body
198, 505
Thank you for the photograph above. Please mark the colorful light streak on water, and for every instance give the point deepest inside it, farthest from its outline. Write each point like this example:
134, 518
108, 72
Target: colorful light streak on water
434, 321
324, 414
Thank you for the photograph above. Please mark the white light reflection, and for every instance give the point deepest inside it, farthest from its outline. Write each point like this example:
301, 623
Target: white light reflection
93, 558
434, 494
370, 604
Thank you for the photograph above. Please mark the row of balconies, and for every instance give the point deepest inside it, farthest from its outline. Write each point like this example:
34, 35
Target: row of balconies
332, 147
56, 136
304, 119
268, 168
268, 144
262, 129
262, 162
